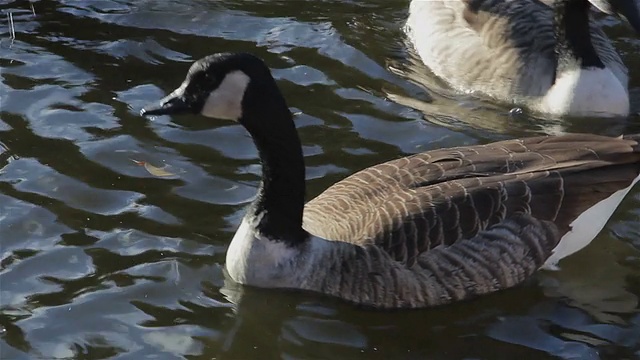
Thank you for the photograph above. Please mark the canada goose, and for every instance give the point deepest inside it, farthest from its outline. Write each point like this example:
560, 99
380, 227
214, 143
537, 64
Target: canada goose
514, 51
423, 230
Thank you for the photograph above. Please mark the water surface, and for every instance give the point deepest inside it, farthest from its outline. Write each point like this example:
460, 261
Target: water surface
102, 258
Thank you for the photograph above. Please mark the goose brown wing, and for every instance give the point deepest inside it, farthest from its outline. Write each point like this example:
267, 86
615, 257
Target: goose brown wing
410, 205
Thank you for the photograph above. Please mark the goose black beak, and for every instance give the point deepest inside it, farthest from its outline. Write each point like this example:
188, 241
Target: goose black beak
172, 104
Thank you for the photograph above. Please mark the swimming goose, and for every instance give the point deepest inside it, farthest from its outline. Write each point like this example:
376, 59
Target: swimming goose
514, 51
423, 230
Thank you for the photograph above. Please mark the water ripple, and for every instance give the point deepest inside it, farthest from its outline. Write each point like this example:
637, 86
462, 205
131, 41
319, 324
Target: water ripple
114, 228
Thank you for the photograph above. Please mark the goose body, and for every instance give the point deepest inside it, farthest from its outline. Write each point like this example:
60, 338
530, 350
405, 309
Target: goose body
546, 55
423, 230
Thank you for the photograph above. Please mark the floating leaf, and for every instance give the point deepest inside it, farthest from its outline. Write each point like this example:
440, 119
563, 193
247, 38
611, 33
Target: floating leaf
154, 170
157, 171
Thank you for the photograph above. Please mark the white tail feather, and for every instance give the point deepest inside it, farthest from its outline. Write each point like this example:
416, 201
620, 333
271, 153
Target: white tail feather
586, 92
586, 227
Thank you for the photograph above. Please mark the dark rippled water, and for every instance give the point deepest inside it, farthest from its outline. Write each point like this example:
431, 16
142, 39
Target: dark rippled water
103, 257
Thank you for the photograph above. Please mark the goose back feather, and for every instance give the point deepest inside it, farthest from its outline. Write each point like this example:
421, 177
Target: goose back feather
438, 197
451, 224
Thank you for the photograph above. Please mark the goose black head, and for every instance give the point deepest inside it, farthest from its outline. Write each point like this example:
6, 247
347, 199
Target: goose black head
217, 86
625, 9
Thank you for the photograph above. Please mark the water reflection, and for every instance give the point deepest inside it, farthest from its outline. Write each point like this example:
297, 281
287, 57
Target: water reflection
100, 258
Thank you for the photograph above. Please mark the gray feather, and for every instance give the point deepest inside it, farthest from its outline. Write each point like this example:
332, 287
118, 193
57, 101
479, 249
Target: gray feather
499, 257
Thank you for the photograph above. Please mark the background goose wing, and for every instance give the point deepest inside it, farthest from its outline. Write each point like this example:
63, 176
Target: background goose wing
608, 54
411, 205
496, 47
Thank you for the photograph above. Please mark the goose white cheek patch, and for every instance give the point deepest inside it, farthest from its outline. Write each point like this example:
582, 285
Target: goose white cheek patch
225, 102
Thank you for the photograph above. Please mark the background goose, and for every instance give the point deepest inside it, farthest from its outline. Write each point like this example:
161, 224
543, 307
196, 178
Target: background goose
514, 51
422, 230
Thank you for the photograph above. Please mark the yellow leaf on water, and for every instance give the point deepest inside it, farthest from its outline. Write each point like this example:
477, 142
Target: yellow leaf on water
158, 171
154, 170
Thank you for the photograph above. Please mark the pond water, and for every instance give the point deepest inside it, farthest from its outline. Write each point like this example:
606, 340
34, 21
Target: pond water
113, 229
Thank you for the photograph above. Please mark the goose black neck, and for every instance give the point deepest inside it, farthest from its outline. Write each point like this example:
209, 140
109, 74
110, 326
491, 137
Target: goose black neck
279, 205
573, 36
